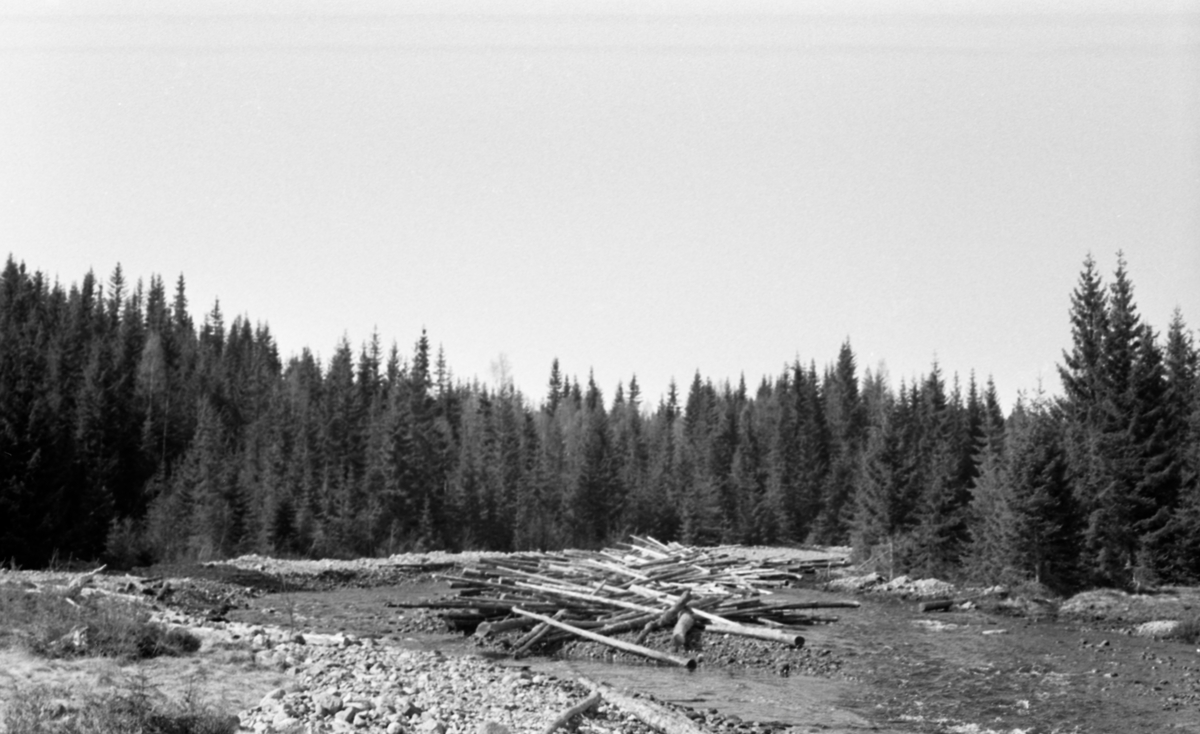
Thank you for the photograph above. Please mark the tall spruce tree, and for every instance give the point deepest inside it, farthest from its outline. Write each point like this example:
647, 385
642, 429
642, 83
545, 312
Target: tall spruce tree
991, 520
1045, 537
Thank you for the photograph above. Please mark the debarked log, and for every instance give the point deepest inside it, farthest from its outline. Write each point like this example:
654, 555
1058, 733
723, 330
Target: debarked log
535, 635
689, 663
487, 629
724, 626
683, 625
659, 717
666, 618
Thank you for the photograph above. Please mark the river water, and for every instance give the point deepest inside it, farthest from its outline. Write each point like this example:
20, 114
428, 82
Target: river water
751, 695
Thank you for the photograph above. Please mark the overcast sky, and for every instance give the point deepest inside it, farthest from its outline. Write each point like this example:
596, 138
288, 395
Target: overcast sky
632, 187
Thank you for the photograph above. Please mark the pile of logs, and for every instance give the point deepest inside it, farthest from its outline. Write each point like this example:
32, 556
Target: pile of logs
639, 587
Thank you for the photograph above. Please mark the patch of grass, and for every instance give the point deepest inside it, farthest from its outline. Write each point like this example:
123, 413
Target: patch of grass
135, 707
1188, 631
53, 625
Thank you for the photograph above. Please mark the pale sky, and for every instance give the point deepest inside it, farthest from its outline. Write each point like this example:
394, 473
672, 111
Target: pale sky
632, 187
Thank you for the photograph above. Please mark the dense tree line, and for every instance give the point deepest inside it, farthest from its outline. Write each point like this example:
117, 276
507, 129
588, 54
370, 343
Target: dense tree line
130, 432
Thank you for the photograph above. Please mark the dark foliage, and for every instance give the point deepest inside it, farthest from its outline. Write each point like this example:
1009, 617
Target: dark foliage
130, 433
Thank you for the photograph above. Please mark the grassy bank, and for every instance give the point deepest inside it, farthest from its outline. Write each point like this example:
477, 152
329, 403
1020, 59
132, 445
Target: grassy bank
53, 623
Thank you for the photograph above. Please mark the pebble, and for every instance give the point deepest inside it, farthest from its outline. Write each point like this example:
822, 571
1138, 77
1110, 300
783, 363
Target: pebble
376, 688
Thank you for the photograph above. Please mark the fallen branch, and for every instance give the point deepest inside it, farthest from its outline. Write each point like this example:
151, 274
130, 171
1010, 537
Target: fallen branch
565, 717
74, 588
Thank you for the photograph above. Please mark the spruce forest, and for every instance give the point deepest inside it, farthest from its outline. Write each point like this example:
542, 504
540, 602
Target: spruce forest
133, 434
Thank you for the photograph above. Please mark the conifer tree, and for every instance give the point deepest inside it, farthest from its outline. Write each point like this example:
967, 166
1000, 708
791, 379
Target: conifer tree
774, 517
1045, 538
990, 556
844, 417
880, 515
1181, 431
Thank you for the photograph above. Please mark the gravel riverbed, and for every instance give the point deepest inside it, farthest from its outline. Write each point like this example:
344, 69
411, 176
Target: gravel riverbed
343, 683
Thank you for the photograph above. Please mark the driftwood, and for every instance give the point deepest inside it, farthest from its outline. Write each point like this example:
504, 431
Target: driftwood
659, 717
935, 605
536, 634
565, 717
689, 663
75, 588
941, 605
638, 588
666, 618
683, 625
772, 634
487, 629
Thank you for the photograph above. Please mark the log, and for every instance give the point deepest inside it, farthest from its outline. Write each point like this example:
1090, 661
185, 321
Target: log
666, 618
683, 625
487, 629
603, 600
535, 635
762, 633
565, 717
689, 663
74, 588
793, 621
626, 625
935, 605
652, 714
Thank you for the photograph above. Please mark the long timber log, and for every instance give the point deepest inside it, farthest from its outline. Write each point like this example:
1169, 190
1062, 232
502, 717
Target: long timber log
772, 634
666, 618
535, 635
689, 663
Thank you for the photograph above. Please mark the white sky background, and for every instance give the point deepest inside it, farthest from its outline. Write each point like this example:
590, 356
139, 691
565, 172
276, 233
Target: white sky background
653, 187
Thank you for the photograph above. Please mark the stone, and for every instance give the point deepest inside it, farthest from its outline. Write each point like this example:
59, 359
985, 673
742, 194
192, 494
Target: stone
272, 698
491, 727
327, 704
432, 726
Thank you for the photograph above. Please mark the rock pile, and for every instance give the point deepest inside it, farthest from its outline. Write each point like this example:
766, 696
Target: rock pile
344, 684
901, 586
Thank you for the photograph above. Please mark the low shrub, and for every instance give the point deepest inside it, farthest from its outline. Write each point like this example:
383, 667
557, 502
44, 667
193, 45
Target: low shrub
53, 625
136, 707
1187, 630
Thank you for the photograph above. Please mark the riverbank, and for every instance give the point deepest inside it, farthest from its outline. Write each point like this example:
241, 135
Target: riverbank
1015, 665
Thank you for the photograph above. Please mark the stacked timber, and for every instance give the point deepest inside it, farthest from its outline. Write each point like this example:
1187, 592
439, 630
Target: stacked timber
637, 587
